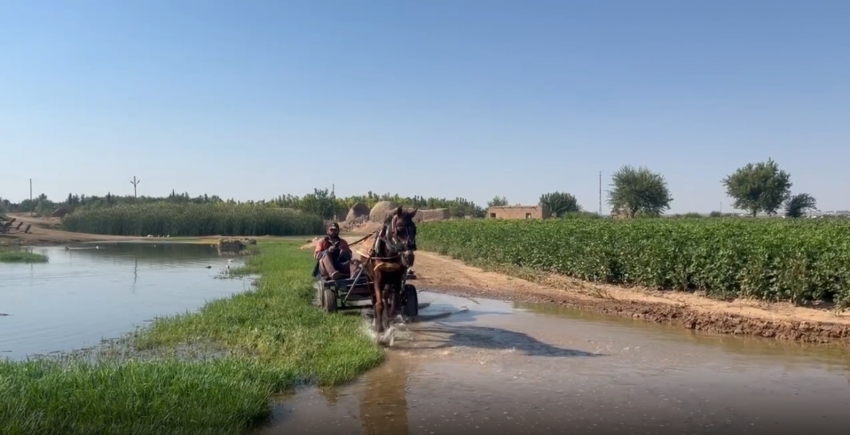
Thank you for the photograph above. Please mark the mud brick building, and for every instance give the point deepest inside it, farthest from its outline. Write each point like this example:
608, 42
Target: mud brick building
519, 212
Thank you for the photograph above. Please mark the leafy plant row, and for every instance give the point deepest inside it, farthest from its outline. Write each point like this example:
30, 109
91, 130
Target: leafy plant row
766, 259
226, 219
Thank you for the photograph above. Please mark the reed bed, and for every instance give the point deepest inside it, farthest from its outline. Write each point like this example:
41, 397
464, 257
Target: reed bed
15, 256
192, 220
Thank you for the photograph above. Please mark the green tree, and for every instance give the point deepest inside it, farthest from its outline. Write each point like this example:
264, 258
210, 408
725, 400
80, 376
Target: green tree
639, 191
758, 187
320, 203
497, 201
560, 203
799, 204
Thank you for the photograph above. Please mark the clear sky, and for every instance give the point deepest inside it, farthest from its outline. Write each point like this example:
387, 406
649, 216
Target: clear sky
252, 99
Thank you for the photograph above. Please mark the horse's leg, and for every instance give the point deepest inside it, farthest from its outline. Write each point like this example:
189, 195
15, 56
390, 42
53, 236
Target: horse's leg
390, 308
379, 303
394, 301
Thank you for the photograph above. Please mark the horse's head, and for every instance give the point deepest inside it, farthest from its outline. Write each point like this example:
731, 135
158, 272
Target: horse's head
402, 228
402, 231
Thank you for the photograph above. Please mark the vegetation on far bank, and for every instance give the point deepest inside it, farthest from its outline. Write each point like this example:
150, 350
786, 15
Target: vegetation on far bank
635, 192
17, 256
776, 260
193, 220
269, 340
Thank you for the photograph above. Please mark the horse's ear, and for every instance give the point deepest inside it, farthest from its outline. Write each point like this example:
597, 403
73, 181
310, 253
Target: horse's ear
413, 213
399, 211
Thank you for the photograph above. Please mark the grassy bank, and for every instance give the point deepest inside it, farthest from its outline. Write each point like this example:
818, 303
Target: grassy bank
191, 220
13, 256
268, 340
765, 259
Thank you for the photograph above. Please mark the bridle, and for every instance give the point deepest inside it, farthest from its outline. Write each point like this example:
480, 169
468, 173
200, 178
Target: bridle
392, 236
388, 234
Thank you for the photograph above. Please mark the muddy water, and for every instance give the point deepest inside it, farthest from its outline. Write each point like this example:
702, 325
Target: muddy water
94, 292
479, 366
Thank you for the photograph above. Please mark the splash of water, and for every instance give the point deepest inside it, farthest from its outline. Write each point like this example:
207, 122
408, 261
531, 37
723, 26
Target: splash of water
387, 338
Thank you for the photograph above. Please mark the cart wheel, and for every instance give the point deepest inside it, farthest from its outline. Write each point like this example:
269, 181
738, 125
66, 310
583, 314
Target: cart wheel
329, 302
411, 303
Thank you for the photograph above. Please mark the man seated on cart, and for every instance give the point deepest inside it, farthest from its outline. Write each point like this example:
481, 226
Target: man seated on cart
334, 255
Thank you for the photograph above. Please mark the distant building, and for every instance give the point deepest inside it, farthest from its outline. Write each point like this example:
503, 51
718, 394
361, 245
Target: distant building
519, 212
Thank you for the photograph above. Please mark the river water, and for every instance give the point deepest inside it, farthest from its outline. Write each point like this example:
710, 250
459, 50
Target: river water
93, 292
486, 367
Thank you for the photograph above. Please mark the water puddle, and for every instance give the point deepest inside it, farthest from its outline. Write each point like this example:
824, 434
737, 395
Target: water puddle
482, 366
91, 292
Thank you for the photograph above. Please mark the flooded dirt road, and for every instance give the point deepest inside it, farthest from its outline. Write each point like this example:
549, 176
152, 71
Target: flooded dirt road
480, 366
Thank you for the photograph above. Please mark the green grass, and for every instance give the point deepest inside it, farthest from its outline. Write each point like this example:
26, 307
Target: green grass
268, 340
776, 260
8, 256
191, 220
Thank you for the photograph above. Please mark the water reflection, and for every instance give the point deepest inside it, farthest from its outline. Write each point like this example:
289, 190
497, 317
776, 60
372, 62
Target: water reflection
383, 403
135, 272
377, 403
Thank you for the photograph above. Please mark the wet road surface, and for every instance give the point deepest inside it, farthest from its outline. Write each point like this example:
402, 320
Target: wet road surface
486, 367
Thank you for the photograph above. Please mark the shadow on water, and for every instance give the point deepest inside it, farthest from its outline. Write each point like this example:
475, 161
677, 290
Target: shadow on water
491, 338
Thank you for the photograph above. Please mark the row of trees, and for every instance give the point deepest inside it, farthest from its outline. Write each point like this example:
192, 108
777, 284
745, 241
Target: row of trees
756, 188
320, 202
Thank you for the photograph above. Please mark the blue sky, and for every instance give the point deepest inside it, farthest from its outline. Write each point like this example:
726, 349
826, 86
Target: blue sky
249, 100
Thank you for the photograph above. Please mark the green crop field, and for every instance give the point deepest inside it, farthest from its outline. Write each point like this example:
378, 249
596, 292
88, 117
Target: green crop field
777, 260
193, 220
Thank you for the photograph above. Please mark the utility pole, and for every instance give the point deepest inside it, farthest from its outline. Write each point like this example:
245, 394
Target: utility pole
333, 199
31, 203
600, 193
135, 183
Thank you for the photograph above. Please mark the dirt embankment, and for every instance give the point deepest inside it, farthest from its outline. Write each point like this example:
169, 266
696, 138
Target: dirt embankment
46, 231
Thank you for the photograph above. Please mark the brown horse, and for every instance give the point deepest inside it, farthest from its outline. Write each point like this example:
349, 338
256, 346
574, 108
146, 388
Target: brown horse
386, 262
